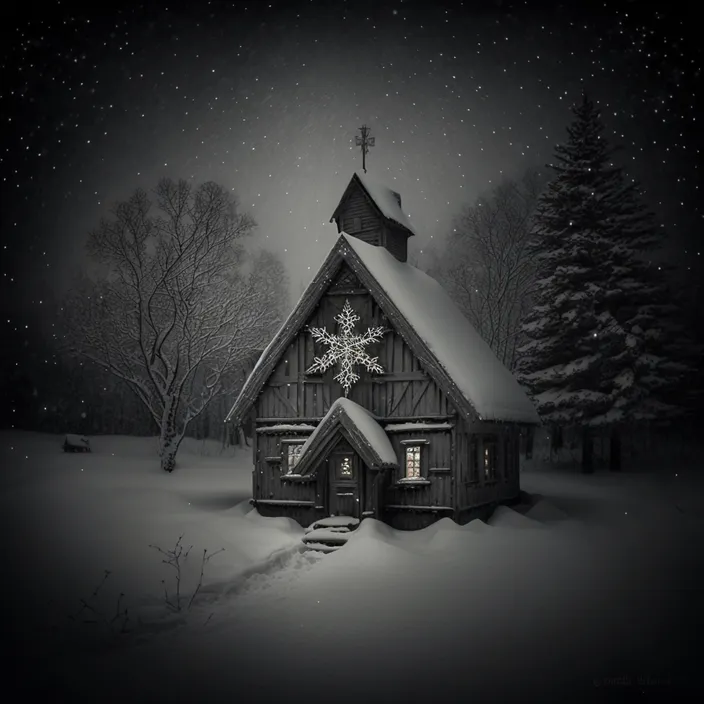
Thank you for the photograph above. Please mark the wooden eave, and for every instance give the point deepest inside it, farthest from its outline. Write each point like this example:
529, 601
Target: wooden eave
306, 305
355, 181
285, 335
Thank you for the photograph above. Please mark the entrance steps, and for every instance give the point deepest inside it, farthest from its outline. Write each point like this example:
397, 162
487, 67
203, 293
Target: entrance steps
329, 534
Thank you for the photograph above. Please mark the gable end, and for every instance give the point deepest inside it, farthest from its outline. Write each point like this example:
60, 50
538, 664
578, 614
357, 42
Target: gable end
340, 253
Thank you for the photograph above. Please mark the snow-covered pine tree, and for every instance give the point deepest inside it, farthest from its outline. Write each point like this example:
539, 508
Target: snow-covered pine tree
672, 355
655, 383
595, 352
560, 365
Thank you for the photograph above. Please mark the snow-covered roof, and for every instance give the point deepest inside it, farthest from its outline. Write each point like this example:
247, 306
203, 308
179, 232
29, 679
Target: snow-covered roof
286, 427
457, 357
410, 427
369, 428
469, 361
364, 428
388, 201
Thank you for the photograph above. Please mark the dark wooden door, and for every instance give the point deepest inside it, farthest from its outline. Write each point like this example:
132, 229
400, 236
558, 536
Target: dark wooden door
344, 483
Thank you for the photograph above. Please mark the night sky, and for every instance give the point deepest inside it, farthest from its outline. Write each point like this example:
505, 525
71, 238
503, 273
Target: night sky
267, 97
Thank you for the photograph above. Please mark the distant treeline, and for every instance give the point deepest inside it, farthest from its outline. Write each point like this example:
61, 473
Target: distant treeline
51, 394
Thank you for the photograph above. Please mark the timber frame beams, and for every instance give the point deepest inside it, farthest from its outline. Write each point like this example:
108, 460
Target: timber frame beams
340, 253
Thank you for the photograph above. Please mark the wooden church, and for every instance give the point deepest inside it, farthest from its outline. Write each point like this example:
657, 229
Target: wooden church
377, 397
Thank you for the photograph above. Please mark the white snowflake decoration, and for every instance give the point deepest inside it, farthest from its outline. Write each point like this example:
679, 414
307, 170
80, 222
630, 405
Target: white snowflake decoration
346, 348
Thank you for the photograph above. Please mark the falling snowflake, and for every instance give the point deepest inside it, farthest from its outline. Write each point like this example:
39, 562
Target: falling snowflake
347, 348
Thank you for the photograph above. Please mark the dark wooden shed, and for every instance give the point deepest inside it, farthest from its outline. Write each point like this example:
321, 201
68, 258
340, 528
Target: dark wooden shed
377, 397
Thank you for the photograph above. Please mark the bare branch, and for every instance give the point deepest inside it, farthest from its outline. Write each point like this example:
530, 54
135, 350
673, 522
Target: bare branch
178, 302
487, 268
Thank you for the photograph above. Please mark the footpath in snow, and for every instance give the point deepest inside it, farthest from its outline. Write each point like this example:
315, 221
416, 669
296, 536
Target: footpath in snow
597, 580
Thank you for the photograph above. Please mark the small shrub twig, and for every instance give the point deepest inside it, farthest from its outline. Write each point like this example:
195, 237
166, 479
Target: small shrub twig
205, 559
118, 621
175, 558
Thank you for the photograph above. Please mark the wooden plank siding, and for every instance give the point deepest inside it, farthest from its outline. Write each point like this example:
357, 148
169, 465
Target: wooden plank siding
404, 390
358, 206
396, 241
269, 484
472, 488
435, 455
361, 219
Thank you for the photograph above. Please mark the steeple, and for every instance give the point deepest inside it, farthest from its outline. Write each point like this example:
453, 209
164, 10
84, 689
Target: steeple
373, 213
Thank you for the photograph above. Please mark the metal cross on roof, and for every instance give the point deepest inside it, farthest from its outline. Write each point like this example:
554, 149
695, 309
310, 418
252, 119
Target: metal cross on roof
365, 141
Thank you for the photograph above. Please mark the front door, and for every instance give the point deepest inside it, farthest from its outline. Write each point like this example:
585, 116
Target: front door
343, 471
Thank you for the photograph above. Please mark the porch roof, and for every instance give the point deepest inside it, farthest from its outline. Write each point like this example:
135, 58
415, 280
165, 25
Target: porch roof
358, 427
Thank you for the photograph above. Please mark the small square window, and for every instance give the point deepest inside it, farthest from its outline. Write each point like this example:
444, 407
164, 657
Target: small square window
412, 462
294, 452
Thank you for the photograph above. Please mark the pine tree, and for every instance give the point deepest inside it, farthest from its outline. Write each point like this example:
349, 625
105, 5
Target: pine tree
656, 383
642, 304
597, 351
675, 381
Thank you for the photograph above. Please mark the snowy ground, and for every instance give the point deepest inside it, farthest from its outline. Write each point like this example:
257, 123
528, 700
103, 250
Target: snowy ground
571, 599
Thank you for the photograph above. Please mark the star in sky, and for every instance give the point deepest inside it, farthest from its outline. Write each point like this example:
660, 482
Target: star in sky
267, 97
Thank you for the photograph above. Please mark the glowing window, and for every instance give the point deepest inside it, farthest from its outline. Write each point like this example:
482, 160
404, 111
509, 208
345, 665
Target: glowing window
490, 457
293, 454
412, 461
346, 467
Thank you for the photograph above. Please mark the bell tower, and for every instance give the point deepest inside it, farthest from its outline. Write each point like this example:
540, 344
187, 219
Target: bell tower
374, 214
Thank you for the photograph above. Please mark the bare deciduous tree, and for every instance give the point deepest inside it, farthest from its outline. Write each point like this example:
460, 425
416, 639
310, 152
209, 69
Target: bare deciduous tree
486, 268
173, 306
